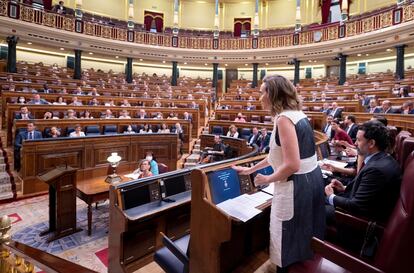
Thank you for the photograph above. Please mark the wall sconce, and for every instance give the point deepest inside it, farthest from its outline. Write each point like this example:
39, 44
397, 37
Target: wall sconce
113, 160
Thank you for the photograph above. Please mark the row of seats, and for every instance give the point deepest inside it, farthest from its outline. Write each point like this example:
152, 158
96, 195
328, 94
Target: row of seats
244, 133
95, 130
253, 118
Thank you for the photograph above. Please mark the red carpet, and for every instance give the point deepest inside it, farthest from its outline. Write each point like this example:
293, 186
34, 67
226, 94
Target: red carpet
103, 256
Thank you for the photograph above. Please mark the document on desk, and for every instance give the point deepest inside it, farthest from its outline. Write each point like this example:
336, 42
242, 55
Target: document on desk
238, 209
132, 175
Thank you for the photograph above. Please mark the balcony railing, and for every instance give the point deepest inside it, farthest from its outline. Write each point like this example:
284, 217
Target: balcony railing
363, 23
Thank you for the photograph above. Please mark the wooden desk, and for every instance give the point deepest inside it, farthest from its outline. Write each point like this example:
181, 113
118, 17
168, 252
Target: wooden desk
92, 191
89, 155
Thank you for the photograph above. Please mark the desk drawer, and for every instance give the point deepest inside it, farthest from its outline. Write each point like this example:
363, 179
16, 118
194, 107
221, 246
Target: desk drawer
138, 243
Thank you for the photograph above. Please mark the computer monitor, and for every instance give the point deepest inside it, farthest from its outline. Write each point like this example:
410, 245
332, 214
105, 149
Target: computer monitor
174, 185
224, 185
325, 150
136, 196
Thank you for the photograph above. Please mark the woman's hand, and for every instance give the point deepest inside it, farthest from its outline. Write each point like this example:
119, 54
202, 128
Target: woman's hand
351, 152
261, 179
242, 170
329, 167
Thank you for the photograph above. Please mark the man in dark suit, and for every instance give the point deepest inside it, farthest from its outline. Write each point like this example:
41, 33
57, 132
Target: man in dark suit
264, 140
254, 137
336, 112
351, 128
46, 89
375, 190
60, 8
29, 134
327, 129
408, 108
386, 108
24, 113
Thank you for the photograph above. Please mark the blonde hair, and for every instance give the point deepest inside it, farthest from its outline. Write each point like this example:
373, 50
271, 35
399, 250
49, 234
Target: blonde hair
282, 94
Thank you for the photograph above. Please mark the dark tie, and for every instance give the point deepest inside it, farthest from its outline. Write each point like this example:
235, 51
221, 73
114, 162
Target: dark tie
30, 135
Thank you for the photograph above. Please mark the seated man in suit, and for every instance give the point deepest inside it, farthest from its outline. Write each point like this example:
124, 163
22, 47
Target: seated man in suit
187, 116
386, 108
336, 112
29, 134
142, 114
264, 140
372, 108
408, 108
351, 128
24, 113
250, 107
254, 137
374, 191
37, 100
46, 89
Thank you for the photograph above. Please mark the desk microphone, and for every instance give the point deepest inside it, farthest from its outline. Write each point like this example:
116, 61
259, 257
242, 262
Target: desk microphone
162, 189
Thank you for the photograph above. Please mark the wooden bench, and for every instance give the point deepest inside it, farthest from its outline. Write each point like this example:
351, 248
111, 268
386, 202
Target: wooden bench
38, 111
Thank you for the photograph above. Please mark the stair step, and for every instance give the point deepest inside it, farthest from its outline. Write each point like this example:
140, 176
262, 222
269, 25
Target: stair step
196, 151
198, 141
194, 158
197, 146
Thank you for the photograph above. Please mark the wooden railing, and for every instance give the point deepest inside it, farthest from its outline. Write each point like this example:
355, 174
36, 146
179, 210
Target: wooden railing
362, 24
16, 257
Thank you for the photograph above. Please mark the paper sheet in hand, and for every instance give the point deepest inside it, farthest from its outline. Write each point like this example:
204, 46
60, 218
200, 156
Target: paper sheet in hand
236, 209
334, 163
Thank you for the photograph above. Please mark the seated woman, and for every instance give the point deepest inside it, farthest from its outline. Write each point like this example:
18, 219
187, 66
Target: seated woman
124, 115
172, 116
78, 132
129, 130
145, 129
153, 163
53, 133
59, 101
71, 114
240, 118
86, 115
164, 129
233, 131
143, 169
21, 100
49, 115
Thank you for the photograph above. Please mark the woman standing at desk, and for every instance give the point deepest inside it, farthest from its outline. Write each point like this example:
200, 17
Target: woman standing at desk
298, 210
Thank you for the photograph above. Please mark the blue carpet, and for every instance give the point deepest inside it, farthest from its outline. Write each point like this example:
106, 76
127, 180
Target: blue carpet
100, 223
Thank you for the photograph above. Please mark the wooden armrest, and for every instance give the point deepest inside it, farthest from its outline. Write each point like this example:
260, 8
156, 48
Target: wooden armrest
175, 249
342, 258
342, 217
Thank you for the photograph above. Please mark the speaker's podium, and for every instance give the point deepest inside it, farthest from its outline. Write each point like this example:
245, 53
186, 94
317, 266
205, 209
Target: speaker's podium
62, 202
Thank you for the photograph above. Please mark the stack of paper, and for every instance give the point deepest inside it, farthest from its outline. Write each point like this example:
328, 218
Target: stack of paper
244, 206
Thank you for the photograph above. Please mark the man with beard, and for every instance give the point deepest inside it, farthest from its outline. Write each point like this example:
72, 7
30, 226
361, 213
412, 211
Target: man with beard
374, 191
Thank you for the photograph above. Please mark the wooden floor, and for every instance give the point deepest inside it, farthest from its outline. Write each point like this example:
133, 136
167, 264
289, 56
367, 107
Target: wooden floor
256, 264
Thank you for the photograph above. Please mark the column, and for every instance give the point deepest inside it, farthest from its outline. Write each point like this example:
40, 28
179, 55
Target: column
175, 18
131, 14
399, 68
256, 20
344, 10
174, 76
78, 9
296, 78
128, 70
255, 70
298, 17
215, 74
216, 21
11, 54
342, 68
78, 70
